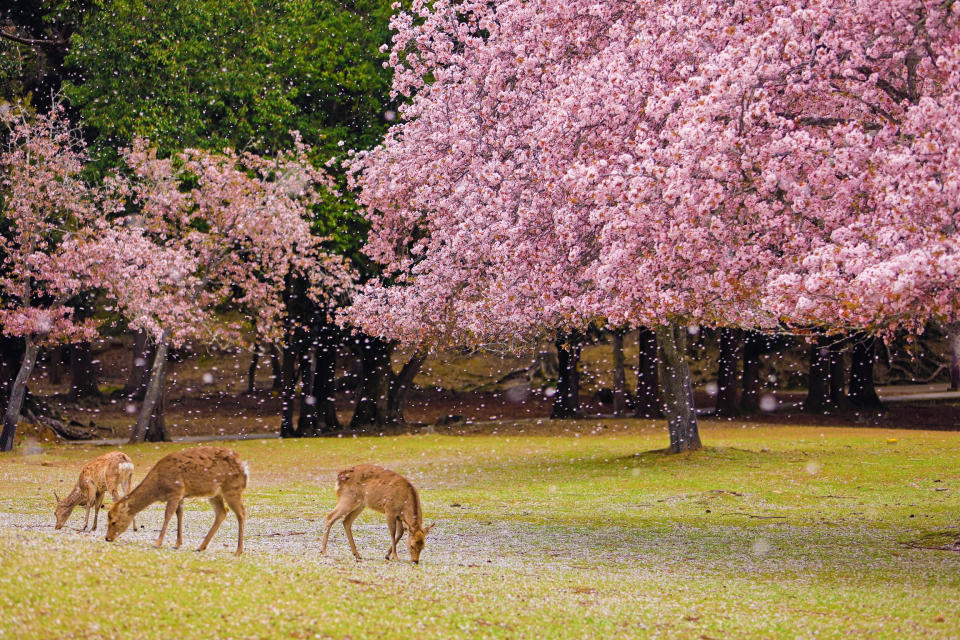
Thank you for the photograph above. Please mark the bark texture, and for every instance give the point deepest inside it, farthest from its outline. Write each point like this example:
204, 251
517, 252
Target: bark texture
677, 390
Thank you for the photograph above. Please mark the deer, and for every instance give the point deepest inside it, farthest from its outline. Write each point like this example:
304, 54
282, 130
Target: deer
367, 485
215, 473
110, 472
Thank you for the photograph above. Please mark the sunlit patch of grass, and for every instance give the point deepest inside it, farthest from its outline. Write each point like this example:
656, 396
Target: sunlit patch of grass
768, 532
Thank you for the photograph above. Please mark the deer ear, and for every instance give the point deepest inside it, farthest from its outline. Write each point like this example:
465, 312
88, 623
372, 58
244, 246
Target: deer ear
427, 528
56, 497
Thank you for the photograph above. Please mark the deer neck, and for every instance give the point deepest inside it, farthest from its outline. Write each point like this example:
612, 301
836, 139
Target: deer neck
73, 499
142, 496
412, 514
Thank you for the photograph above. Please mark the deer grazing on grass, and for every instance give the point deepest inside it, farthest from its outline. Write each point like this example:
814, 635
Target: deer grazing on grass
367, 485
202, 472
110, 472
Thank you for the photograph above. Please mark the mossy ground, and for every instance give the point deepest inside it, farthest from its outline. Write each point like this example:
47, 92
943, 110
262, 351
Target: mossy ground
771, 531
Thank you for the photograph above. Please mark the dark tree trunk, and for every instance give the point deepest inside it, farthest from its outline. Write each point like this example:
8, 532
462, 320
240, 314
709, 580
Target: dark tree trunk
275, 365
157, 428
152, 398
18, 391
619, 374
838, 391
140, 365
677, 390
818, 383
307, 422
648, 400
288, 387
752, 350
371, 412
325, 382
400, 386
862, 392
55, 363
11, 356
83, 372
252, 371
731, 348
953, 336
566, 402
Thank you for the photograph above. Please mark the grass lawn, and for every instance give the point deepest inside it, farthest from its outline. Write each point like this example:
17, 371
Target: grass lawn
773, 531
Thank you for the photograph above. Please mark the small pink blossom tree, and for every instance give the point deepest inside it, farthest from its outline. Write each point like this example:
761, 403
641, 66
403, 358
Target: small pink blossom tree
212, 228
52, 219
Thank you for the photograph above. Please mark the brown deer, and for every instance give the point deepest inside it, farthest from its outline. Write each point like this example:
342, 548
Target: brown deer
202, 472
367, 485
110, 472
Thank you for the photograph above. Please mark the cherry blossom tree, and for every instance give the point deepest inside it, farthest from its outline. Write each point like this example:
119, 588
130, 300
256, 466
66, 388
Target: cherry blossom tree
740, 163
51, 221
213, 228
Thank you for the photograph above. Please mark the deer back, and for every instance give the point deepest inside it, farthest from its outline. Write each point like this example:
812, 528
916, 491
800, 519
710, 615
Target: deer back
201, 471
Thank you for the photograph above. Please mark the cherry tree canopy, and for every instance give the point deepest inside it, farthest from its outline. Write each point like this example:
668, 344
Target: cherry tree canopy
51, 219
733, 163
217, 227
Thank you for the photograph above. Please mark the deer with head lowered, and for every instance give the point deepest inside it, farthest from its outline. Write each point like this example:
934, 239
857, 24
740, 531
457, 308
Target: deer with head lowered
215, 473
110, 472
367, 485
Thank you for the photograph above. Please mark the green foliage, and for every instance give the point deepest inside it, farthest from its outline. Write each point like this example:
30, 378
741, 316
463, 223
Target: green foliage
237, 73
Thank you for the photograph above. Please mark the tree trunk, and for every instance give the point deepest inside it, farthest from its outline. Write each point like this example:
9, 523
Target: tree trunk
818, 388
140, 365
325, 380
752, 350
566, 402
400, 385
18, 392
649, 402
731, 348
838, 391
252, 371
277, 368
55, 362
11, 357
374, 390
83, 372
862, 392
953, 336
619, 374
151, 398
307, 422
288, 386
677, 390
157, 428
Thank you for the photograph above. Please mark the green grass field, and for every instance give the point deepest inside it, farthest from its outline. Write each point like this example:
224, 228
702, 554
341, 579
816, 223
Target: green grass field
770, 532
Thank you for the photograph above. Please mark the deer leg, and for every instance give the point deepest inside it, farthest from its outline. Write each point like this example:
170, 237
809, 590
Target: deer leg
339, 511
347, 524
220, 512
96, 508
172, 505
392, 526
235, 502
400, 531
90, 493
179, 525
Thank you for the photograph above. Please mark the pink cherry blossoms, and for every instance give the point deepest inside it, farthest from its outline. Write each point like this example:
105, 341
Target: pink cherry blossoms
741, 163
53, 218
213, 227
